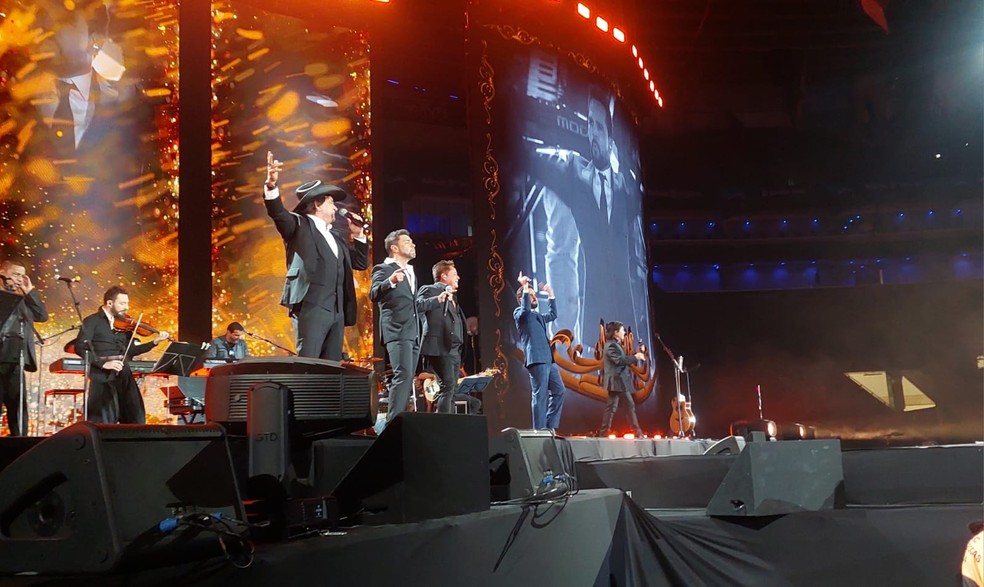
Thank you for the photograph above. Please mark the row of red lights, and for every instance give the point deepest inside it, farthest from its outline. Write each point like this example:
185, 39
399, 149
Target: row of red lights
619, 35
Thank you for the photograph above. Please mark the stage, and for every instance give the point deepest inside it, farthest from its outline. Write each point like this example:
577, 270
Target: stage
637, 519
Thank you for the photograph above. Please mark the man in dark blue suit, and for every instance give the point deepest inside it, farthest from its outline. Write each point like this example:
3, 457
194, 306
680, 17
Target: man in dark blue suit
319, 291
545, 381
444, 331
618, 378
394, 290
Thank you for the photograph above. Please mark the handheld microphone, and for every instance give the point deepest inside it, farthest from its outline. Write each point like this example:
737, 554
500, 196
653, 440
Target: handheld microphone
75, 279
449, 290
355, 218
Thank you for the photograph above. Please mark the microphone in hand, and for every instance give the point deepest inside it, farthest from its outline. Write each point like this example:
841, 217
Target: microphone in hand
66, 279
447, 301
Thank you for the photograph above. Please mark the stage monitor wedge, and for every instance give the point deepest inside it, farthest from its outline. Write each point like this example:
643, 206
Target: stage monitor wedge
90, 498
775, 478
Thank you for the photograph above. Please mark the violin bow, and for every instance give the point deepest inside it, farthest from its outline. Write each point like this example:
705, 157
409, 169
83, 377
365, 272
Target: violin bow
132, 335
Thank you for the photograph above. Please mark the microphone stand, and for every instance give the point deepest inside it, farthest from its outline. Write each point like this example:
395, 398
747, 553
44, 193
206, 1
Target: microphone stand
85, 351
677, 371
270, 342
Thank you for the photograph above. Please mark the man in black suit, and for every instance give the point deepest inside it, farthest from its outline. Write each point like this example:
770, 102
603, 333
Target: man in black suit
444, 331
319, 291
113, 392
618, 378
394, 289
17, 335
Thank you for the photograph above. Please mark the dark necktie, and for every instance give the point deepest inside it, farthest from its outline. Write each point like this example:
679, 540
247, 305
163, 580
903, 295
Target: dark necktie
64, 123
604, 198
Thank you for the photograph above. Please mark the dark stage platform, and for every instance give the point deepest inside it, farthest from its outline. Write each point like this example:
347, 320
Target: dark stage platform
902, 519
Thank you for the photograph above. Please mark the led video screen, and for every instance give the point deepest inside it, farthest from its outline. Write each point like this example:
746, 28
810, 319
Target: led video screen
88, 160
568, 213
284, 86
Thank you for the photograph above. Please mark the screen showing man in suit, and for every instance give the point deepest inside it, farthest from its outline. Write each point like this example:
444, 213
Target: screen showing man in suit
569, 211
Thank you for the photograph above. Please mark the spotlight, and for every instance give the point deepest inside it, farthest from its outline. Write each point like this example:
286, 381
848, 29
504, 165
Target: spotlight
629, 436
583, 10
652, 86
612, 436
601, 24
641, 66
635, 52
751, 429
645, 74
618, 34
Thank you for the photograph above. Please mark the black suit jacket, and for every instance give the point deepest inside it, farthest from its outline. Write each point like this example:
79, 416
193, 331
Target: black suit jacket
312, 267
398, 311
105, 342
438, 331
11, 342
617, 375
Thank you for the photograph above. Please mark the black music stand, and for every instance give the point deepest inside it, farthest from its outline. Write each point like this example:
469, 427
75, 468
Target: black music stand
474, 384
180, 358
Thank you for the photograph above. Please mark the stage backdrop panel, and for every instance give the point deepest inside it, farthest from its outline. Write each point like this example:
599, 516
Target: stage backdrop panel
566, 192
88, 160
301, 90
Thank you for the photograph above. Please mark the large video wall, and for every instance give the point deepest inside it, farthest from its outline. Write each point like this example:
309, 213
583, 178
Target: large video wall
88, 157
303, 94
567, 209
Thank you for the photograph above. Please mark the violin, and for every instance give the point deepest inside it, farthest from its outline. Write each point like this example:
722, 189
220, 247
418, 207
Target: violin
125, 323
682, 419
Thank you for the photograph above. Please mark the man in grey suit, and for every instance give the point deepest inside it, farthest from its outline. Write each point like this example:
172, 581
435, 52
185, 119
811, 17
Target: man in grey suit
547, 386
394, 290
319, 291
618, 378
444, 331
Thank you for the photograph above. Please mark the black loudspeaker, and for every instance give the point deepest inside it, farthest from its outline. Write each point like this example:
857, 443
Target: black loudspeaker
91, 498
729, 445
533, 455
423, 466
774, 478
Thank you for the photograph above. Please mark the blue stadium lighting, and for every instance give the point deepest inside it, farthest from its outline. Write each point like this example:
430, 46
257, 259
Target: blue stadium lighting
393, 81
901, 214
813, 262
930, 213
453, 97
716, 266
957, 211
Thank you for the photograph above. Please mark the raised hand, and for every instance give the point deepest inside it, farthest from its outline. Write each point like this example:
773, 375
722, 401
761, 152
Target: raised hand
398, 276
274, 168
545, 287
524, 280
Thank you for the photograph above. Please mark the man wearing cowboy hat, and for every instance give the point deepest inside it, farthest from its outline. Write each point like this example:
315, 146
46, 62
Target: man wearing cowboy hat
319, 292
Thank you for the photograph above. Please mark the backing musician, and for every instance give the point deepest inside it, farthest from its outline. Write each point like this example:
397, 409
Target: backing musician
231, 345
16, 335
113, 392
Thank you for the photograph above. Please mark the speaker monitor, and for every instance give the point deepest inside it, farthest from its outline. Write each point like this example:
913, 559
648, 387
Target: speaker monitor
774, 478
729, 445
530, 455
90, 498
423, 466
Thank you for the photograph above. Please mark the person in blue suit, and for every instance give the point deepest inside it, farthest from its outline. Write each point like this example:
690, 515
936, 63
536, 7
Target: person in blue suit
545, 381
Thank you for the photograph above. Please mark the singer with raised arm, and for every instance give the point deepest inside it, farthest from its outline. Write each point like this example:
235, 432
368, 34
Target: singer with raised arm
113, 393
547, 386
319, 291
229, 346
394, 290
444, 330
17, 342
618, 377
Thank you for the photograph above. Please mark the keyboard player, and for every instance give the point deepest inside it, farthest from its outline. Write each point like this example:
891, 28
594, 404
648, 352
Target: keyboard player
113, 392
230, 346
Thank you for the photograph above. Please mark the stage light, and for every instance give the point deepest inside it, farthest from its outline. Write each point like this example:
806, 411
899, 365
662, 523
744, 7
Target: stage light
583, 10
652, 86
640, 63
618, 34
635, 52
659, 101
601, 24
612, 437
645, 74
629, 436
746, 428
382, 1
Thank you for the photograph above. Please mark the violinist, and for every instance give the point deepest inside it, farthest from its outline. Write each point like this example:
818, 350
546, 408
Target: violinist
113, 392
